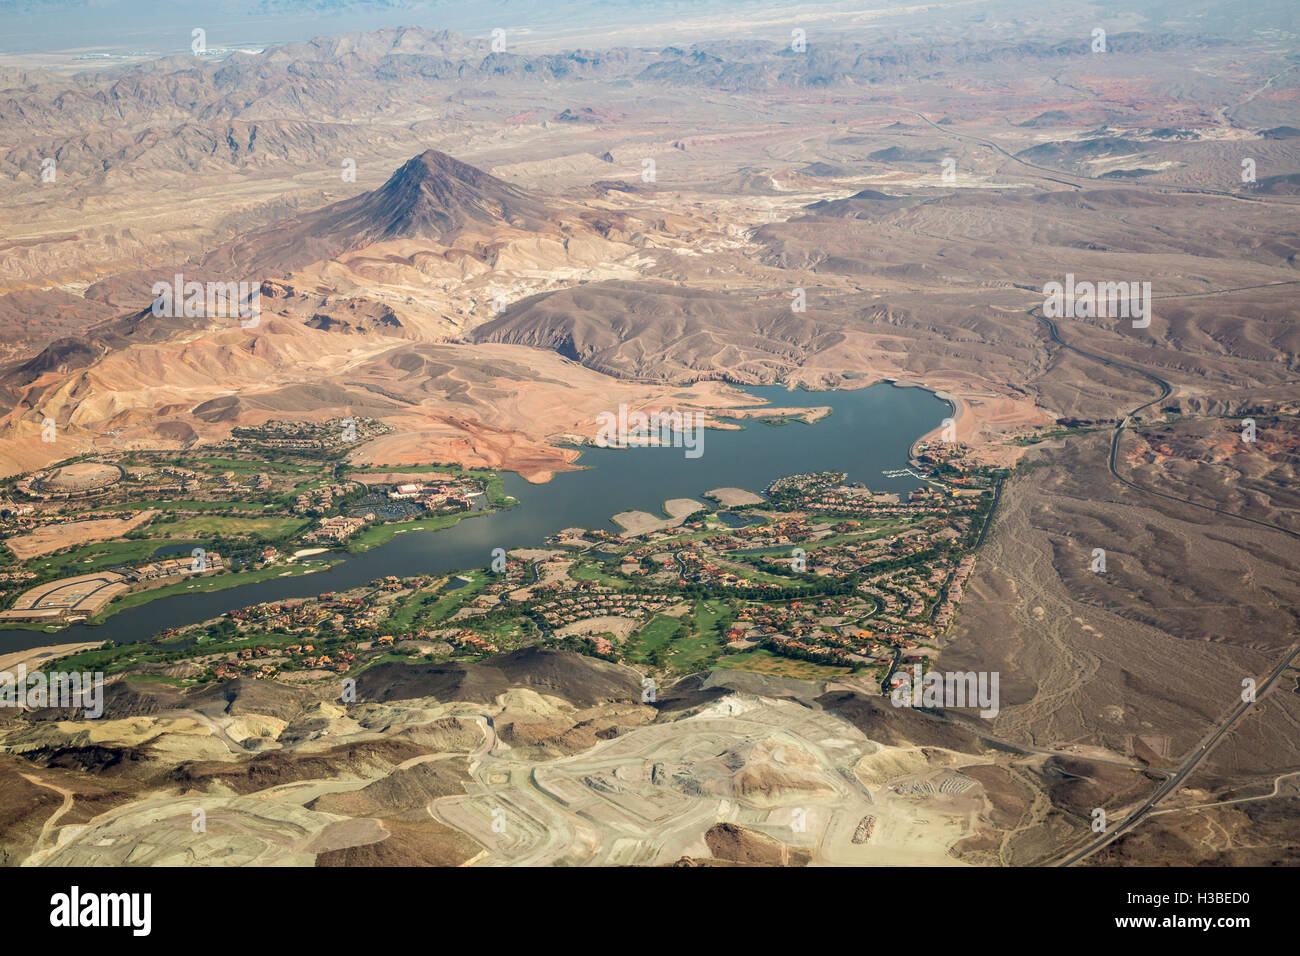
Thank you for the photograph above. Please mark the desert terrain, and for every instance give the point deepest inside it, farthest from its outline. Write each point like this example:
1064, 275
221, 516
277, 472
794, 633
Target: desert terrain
482, 251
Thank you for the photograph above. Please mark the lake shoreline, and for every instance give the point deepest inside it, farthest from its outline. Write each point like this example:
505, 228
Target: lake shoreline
869, 434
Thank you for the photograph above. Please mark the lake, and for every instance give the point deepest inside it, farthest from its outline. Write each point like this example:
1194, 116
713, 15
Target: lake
869, 431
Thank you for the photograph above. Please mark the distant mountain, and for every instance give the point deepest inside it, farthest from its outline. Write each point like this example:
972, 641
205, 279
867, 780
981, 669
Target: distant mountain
1048, 118
898, 154
1077, 153
867, 204
432, 196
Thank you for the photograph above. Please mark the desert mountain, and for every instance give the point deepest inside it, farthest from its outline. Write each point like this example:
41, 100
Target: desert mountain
432, 196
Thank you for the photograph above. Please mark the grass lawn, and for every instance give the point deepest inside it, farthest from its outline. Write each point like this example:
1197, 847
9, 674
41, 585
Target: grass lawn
374, 535
99, 555
504, 631
705, 643
245, 467
494, 486
222, 527
413, 606
198, 530
654, 635
742, 568
691, 652
111, 659
584, 571
449, 602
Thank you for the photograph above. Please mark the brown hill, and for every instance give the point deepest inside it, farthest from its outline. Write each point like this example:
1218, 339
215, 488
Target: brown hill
650, 330
737, 844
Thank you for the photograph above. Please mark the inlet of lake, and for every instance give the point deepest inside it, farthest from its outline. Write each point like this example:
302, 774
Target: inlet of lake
869, 431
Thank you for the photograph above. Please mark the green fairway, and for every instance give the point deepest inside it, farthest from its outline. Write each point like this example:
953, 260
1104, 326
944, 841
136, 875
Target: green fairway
372, 536
448, 602
185, 504
100, 555
586, 571
653, 636
215, 526
685, 644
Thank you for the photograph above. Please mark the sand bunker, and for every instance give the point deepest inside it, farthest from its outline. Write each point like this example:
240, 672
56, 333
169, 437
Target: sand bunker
636, 523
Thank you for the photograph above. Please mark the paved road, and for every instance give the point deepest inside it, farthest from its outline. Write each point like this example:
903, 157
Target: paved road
1165, 390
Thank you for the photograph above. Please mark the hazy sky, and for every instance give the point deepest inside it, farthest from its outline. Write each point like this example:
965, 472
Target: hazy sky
163, 26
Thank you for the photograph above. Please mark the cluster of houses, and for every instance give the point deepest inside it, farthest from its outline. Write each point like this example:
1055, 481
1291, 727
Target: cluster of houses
952, 453
19, 518
318, 501
260, 662
698, 567
829, 629
172, 480
350, 611
948, 606
468, 640
899, 608
305, 436
848, 501
338, 529
594, 600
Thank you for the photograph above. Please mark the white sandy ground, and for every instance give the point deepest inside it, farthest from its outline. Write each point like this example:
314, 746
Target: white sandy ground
636, 523
733, 497
807, 778
35, 657
801, 779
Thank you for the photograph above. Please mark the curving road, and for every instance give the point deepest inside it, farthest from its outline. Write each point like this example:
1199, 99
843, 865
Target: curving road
1165, 390
1193, 760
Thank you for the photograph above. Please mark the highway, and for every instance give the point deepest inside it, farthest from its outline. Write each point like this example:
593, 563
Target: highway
1184, 769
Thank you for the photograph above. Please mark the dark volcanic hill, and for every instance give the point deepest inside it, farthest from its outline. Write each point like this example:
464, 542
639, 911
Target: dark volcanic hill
583, 681
432, 196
